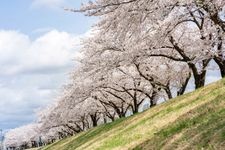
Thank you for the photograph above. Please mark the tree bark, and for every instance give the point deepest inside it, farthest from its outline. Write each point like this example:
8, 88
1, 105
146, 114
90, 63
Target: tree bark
94, 119
221, 65
152, 103
135, 103
152, 99
184, 86
199, 77
168, 92
220, 58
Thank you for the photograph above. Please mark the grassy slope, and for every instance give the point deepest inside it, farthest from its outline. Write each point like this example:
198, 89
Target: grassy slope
192, 121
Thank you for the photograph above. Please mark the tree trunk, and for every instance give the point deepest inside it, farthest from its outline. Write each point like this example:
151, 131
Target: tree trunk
221, 65
122, 114
135, 104
152, 99
118, 111
220, 58
199, 80
184, 86
152, 103
112, 119
199, 77
168, 92
94, 120
105, 119
110, 116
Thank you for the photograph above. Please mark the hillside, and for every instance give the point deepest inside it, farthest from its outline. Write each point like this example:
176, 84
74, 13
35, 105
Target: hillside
192, 121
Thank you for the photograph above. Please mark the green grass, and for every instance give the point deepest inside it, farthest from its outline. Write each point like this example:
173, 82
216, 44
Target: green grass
192, 121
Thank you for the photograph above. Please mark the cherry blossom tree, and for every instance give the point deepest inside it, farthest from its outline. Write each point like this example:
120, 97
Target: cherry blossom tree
21, 137
137, 18
140, 51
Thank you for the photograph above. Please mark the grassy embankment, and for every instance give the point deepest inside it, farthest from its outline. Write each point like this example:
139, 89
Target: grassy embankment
192, 121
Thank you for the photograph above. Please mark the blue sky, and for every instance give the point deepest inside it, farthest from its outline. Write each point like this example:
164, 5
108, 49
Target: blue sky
28, 16
38, 42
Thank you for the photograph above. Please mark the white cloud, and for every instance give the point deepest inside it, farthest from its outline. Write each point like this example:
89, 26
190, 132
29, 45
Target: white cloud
32, 71
18, 53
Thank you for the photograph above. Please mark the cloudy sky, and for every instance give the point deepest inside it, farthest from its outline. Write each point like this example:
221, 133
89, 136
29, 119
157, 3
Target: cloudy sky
38, 41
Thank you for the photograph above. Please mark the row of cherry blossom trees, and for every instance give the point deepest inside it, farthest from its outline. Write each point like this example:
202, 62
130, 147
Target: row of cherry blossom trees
140, 52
